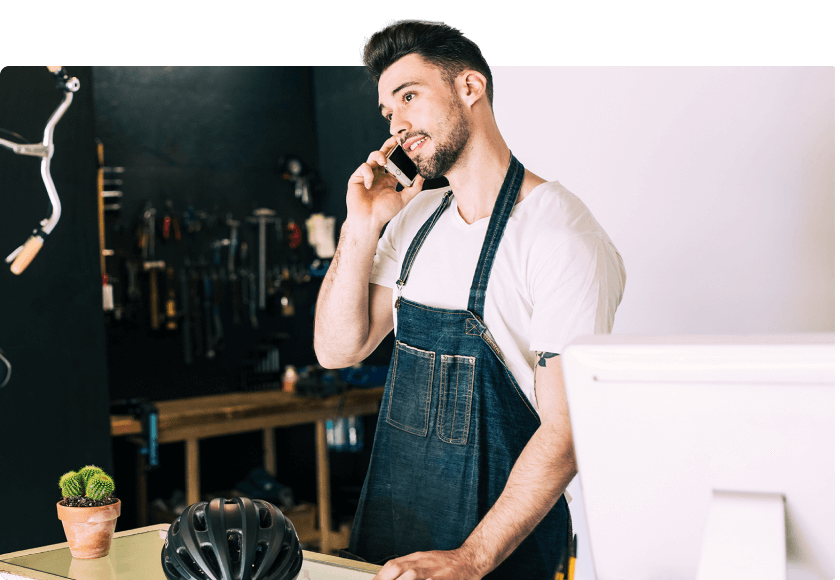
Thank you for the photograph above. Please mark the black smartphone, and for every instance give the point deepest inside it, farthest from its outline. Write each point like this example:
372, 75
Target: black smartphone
401, 166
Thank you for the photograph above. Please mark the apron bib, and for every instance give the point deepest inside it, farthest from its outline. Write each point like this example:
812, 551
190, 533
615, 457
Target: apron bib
453, 422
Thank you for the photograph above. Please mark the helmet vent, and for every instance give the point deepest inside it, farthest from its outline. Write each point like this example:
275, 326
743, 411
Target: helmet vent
259, 556
281, 560
188, 563
176, 527
235, 547
199, 521
172, 571
265, 518
212, 561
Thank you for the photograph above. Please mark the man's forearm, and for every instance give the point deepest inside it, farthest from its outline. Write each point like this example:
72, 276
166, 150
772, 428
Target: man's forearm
538, 478
342, 313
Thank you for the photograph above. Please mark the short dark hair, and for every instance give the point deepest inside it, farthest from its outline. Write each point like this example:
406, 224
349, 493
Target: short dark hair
443, 46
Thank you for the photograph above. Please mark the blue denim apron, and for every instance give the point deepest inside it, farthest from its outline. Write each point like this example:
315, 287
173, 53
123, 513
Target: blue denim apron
453, 422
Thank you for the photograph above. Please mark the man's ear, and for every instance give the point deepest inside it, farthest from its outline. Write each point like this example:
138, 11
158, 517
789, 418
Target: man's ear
471, 86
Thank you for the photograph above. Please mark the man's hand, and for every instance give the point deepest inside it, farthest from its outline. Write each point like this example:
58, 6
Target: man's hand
436, 565
372, 196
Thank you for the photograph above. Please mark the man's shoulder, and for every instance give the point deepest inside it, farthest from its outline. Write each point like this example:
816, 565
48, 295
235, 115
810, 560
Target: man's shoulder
552, 208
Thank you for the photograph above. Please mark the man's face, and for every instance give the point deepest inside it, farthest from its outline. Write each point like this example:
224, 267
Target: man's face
425, 114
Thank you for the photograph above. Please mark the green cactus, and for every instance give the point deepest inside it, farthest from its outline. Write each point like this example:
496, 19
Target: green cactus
99, 486
71, 484
89, 471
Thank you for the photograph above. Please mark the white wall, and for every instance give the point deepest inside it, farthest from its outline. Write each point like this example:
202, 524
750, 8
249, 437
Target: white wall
715, 184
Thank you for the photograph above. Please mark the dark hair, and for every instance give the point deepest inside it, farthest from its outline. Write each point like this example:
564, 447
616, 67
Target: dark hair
443, 46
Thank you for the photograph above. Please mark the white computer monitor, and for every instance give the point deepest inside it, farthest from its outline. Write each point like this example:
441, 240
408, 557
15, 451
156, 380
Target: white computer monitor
705, 457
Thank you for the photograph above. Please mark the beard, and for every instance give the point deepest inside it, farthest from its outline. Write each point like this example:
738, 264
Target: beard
449, 149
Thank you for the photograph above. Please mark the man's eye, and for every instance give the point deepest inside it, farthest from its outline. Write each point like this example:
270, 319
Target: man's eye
408, 96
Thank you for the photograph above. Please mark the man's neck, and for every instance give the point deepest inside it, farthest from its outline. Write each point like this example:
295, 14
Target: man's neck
478, 176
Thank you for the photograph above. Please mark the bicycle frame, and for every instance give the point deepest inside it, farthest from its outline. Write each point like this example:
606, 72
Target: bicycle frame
22, 257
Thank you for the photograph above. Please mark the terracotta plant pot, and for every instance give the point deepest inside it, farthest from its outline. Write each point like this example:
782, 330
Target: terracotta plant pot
89, 529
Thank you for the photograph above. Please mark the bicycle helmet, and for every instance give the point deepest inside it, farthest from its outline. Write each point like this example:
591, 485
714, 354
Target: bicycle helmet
232, 539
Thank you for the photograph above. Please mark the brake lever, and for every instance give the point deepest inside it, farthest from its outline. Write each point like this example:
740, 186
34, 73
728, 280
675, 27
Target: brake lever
22, 256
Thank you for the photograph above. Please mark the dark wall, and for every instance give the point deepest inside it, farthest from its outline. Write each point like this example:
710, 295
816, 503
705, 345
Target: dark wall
208, 137
54, 411
349, 127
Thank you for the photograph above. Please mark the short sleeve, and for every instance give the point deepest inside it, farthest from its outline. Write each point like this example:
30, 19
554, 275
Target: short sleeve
385, 270
576, 292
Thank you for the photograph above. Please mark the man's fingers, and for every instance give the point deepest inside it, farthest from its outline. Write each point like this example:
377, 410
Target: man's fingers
362, 175
377, 157
409, 192
388, 145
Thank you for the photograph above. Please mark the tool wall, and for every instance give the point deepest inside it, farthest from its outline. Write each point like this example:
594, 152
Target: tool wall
210, 177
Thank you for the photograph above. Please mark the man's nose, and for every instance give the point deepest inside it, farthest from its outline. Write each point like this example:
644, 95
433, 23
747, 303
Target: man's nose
399, 125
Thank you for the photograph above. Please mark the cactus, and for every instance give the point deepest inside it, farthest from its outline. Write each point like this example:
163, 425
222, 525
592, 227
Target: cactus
71, 484
90, 486
99, 486
89, 471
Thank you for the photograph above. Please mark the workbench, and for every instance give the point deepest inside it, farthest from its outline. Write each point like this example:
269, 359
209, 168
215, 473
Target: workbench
192, 419
135, 555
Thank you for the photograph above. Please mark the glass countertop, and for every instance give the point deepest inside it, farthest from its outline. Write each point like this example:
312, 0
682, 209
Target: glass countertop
136, 556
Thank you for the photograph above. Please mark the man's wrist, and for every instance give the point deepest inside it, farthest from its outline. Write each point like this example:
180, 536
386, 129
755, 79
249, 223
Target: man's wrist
359, 228
479, 561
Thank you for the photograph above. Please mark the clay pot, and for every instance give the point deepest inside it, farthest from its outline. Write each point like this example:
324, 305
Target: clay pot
89, 529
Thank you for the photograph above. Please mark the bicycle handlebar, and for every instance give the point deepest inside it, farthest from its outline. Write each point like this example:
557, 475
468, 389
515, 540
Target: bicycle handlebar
25, 253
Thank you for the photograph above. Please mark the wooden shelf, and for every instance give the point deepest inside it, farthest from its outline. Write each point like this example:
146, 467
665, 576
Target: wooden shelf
191, 419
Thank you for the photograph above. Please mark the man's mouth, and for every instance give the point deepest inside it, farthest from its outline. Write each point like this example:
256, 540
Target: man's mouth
413, 144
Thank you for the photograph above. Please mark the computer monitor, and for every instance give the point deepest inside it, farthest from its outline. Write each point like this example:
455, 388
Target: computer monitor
705, 457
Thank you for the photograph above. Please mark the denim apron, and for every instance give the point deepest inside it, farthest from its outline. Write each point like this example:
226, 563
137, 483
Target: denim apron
453, 422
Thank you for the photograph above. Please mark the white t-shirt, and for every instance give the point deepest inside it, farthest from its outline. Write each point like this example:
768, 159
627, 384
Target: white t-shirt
556, 275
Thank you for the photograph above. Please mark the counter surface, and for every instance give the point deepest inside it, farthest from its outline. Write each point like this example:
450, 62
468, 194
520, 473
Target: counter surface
135, 555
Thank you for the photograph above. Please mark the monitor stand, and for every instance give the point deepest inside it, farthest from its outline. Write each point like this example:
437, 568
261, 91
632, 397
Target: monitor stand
744, 538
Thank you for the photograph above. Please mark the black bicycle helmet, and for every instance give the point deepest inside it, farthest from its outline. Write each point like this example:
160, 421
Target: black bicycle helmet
232, 539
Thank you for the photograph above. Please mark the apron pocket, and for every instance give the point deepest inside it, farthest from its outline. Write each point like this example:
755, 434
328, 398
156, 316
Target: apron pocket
456, 390
411, 389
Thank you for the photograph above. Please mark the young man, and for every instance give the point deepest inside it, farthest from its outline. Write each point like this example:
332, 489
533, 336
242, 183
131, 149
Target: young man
473, 447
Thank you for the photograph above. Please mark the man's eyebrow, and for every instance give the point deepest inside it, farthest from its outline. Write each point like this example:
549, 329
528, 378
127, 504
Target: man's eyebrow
398, 89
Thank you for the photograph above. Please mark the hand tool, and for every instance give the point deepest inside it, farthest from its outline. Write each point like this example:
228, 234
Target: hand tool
186, 326
147, 413
262, 217
151, 265
171, 303
196, 311
208, 313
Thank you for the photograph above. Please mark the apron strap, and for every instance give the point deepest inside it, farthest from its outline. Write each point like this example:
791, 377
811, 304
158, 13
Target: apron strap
418, 240
495, 229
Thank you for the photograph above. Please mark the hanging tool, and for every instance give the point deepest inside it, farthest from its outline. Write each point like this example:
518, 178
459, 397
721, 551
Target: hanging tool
147, 413
233, 246
196, 311
247, 279
171, 226
262, 217
294, 171
22, 257
208, 313
186, 326
108, 279
171, 303
151, 265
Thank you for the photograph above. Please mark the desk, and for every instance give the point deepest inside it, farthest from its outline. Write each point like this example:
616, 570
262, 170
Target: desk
189, 420
135, 555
